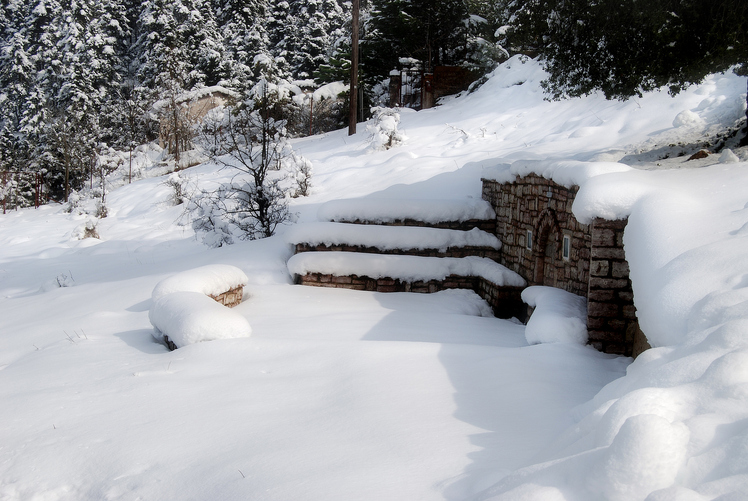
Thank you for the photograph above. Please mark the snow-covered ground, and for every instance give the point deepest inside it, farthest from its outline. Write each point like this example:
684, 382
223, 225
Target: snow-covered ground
341, 395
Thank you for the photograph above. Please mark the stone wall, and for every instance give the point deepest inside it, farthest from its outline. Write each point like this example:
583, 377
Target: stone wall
505, 301
594, 266
543, 208
450, 252
611, 314
231, 297
488, 226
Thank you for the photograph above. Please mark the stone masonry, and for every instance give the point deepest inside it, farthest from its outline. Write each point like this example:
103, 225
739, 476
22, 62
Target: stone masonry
449, 252
230, 298
545, 244
506, 302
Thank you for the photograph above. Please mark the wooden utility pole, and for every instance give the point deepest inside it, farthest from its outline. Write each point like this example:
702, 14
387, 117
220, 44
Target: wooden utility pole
353, 96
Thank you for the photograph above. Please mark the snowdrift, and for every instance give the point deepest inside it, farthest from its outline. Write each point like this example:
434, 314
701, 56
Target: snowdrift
337, 390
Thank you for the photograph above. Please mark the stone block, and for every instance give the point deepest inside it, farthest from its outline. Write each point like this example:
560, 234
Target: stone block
620, 269
595, 323
601, 295
599, 268
608, 283
606, 310
617, 325
603, 238
605, 336
629, 312
386, 288
626, 296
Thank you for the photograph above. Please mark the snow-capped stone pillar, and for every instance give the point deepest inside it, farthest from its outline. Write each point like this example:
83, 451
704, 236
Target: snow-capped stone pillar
611, 314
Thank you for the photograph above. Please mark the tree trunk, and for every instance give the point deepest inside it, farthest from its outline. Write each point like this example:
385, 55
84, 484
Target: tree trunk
744, 140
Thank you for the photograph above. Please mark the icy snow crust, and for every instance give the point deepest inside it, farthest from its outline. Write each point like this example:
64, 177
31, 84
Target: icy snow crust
387, 211
389, 237
337, 390
559, 316
192, 317
210, 280
405, 268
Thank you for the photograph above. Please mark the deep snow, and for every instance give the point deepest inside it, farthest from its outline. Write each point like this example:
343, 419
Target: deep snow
341, 395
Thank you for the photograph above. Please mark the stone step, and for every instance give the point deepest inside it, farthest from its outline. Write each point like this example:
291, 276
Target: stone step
416, 241
463, 214
498, 285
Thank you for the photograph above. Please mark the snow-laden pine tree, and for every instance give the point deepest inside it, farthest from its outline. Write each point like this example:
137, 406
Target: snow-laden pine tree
183, 29
242, 23
59, 64
303, 33
433, 32
626, 47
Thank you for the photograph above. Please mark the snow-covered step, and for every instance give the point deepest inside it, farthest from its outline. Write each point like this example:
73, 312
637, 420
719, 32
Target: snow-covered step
498, 285
451, 214
413, 240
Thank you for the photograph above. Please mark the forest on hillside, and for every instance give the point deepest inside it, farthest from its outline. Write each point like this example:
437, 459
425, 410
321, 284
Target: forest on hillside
78, 77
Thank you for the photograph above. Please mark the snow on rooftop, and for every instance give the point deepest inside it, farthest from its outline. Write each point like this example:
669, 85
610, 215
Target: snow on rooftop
389, 237
196, 94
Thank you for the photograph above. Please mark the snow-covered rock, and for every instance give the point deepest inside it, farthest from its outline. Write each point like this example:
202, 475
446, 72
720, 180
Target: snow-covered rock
210, 280
192, 317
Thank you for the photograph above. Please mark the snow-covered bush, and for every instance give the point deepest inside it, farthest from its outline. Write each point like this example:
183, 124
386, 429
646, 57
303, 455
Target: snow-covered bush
89, 229
61, 280
207, 219
301, 174
248, 140
178, 185
74, 204
383, 132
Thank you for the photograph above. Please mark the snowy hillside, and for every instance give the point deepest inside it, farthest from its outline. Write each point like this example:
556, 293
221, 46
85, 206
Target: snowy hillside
342, 395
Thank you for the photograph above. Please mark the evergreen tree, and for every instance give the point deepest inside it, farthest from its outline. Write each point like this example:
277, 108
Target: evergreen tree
626, 47
183, 29
303, 32
433, 32
242, 23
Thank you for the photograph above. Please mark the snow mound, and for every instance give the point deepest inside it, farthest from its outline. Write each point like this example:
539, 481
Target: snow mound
193, 317
559, 316
405, 268
388, 210
389, 237
567, 173
688, 118
728, 157
210, 280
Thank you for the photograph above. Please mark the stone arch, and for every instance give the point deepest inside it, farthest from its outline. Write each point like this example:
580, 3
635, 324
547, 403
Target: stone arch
546, 248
